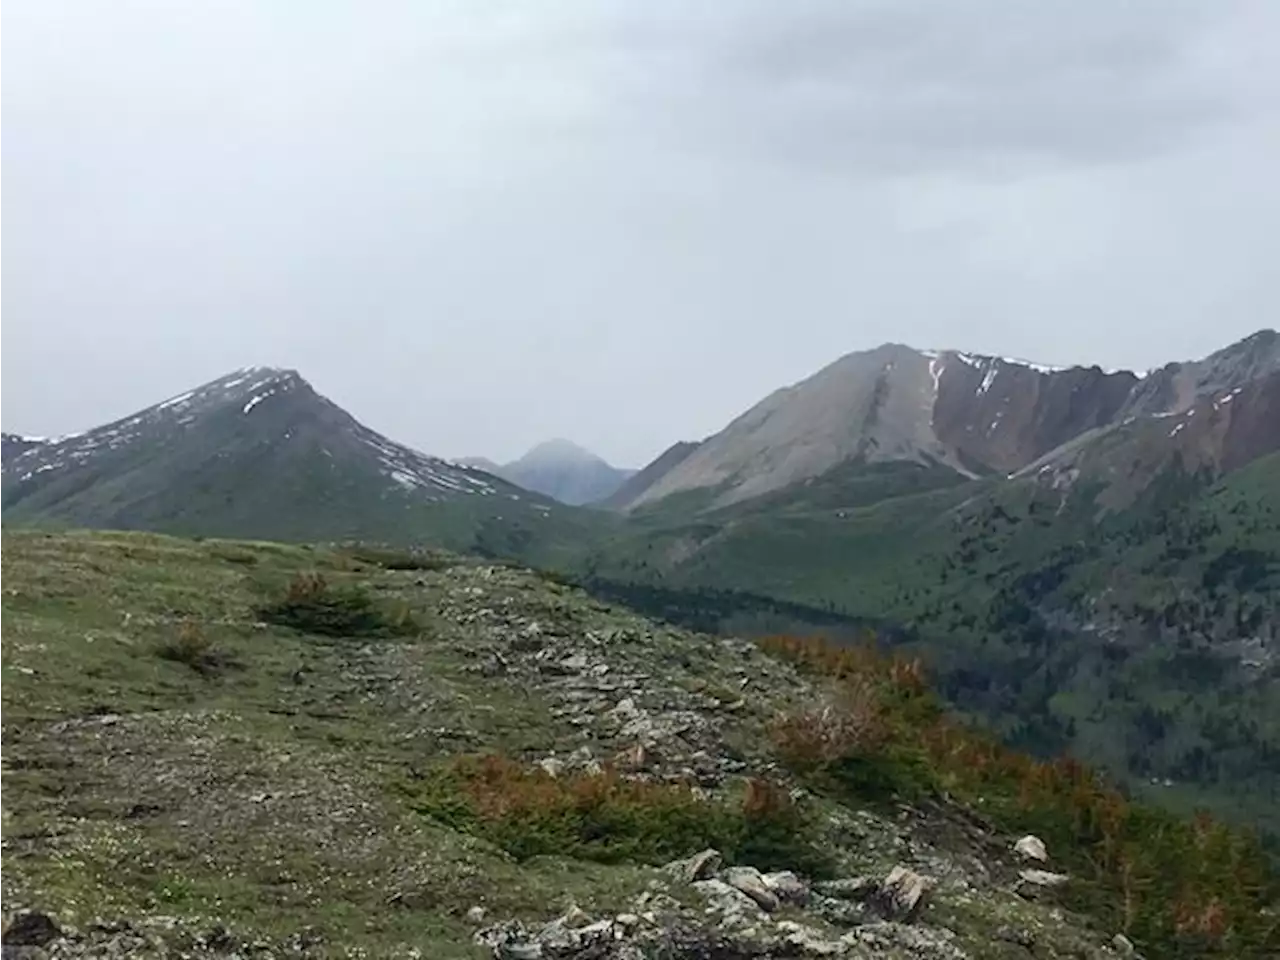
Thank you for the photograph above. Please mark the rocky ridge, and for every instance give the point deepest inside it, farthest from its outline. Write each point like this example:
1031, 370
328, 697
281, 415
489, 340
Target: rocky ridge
977, 415
506, 661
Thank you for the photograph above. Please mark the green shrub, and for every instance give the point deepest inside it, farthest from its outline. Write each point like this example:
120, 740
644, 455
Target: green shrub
312, 605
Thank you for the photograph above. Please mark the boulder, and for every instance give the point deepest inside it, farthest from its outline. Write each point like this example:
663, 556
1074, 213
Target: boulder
1123, 945
1031, 848
1032, 884
730, 902
750, 882
901, 894
700, 866
787, 887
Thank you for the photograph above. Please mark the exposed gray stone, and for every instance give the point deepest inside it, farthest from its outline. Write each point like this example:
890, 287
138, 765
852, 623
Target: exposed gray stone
1031, 848
750, 882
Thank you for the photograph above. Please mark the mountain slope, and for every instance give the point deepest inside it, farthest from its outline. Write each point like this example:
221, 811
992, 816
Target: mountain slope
631, 489
515, 760
1115, 594
1146, 639
561, 470
976, 415
256, 453
13, 444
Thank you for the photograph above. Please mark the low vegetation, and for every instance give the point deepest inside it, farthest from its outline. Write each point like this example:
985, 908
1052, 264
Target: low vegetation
191, 646
312, 605
606, 817
389, 558
1181, 888
368, 794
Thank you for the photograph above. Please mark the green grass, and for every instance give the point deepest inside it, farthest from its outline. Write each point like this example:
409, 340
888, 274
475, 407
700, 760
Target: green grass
132, 781
1139, 639
313, 781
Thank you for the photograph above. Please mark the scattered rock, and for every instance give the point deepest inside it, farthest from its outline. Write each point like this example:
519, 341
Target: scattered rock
551, 766
1123, 945
476, 914
808, 940
31, 928
848, 888
1031, 848
750, 882
841, 913
901, 894
700, 866
787, 887
1032, 883
730, 902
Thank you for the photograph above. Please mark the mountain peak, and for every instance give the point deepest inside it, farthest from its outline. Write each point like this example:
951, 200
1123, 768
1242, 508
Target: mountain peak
560, 469
559, 450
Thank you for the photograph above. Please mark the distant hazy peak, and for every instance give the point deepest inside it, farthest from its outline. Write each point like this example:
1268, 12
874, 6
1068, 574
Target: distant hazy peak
559, 450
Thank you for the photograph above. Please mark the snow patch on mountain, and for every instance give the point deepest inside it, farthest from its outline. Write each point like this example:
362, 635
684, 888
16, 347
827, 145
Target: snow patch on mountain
988, 379
413, 470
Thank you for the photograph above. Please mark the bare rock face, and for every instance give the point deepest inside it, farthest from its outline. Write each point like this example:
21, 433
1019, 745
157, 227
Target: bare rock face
976, 414
1003, 414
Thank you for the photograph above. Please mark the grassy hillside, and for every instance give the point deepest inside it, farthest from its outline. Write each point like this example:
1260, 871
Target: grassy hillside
1145, 640
216, 746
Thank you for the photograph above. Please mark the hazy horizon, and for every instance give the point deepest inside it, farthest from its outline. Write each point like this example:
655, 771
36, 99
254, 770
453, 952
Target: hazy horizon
478, 228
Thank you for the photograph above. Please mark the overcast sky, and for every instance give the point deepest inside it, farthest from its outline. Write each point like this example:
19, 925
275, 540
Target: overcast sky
477, 225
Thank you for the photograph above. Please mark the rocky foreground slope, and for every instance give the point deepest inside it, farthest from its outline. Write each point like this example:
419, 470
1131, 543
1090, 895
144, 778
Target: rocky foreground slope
243, 749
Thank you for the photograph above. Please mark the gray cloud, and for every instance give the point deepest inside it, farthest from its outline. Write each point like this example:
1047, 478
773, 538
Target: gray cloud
479, 225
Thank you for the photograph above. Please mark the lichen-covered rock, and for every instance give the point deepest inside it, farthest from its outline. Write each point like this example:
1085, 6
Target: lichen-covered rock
749, 881
1034, 883
1031, 848
700, 866
734, 906
901, 894
787, 887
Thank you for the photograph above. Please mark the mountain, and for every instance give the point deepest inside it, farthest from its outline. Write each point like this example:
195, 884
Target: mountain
561, 470
13, 444
311, 751
640, 481
1090, 561
481, 463
976, 415
258, 453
